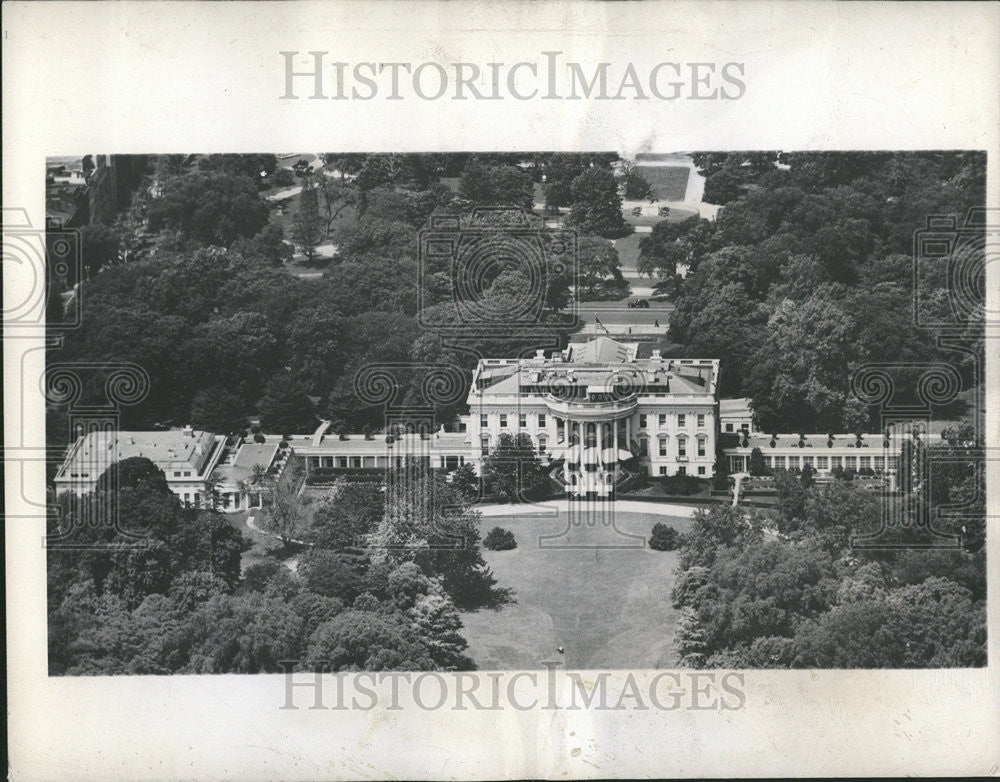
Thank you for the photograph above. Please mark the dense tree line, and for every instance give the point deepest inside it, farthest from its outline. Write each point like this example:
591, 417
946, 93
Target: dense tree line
796, 594
206, 307
807, 273
378, 584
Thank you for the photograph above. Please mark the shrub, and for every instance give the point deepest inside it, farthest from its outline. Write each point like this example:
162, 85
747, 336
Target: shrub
664, 538
499, 539
681, 484
258, 438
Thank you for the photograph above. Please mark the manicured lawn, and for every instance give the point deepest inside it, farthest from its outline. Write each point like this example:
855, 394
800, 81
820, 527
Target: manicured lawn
608, 607
668, 182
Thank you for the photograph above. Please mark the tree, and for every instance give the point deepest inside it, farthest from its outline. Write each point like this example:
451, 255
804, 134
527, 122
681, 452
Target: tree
513, 472
218, 410
499, 539
307, 226
635, 185
597, 261
285, 514
597, 207
466, 482
716, 528
757, 465
664, 538
346, 515
367, 641
722, 187
209, 207
285, 406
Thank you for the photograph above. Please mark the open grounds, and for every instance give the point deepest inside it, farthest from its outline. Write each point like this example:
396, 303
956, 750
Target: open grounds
596, 590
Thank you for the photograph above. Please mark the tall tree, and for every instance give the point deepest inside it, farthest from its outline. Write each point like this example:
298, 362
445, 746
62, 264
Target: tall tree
307, 226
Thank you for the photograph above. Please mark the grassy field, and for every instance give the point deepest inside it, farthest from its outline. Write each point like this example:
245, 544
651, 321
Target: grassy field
668, 182
608, 607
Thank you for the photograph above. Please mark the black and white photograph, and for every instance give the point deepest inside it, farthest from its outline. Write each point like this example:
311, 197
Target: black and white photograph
376, 412
460, 390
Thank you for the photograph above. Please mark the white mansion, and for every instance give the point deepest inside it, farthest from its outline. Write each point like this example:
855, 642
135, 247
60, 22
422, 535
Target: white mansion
588, 410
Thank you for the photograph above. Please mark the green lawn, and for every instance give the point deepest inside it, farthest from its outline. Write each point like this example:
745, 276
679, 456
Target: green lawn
668, 182
608, 607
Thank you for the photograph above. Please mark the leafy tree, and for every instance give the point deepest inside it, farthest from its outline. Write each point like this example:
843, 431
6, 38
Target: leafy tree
285, 406
597, 207
635, 185
664, 538
466, 482
513, 472
209, 207
346, 515
367, 641
496, 185
217, 410
285, 514
933, 624
307, 226
722, 187
597, 262
715, 528
499, 539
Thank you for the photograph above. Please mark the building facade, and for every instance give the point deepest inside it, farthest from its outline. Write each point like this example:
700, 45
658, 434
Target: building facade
187, 458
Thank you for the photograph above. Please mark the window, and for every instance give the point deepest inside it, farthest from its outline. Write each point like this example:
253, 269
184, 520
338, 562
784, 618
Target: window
541, 420
663, 470
663, 419
542, 442
729, 427
701, 470
522, 420
484, 420
879, 462
769, 461
343, 461
643, 446
779, 462
503, 420
701, 446
835, 462
642, 420
866, 462
822, 462
355, 461
793, 463
682, 470
187, 473
197, 499
682, 447
851, 462
808, 460
177, 473
681, 420
663, 446
484, 445
560, 428
701, 420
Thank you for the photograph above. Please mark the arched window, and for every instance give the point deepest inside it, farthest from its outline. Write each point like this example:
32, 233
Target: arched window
484, 445
609, 479
663, 445
543, 442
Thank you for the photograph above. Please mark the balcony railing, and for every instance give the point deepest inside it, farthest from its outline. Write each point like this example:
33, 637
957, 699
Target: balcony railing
585, 408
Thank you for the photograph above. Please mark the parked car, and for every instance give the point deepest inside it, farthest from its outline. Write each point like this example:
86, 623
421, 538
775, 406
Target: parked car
639, 304
663, 211
637, 211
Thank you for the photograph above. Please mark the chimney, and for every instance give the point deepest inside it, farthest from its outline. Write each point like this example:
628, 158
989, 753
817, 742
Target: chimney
188, 431
657, 356
540, 354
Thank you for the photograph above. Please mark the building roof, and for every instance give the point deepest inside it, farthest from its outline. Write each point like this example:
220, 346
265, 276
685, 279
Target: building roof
735, 408
870, 441
602, 351
176, 450
248, 455
357, 445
